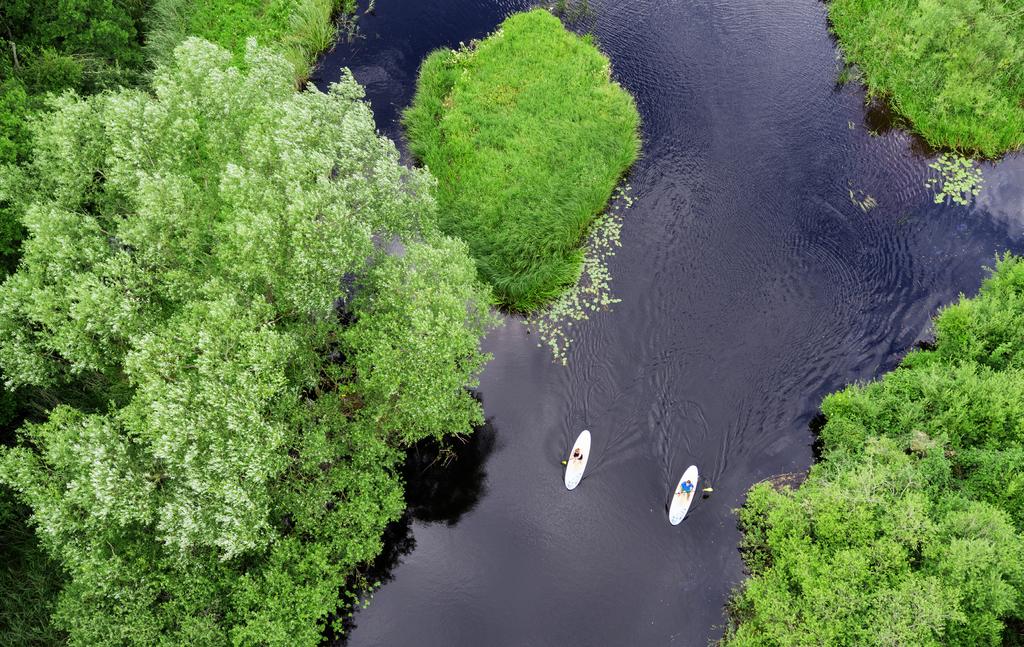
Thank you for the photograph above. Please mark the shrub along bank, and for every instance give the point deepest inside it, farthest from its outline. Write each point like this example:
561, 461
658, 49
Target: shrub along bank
953, 68
909, 530
527, 135
220, 449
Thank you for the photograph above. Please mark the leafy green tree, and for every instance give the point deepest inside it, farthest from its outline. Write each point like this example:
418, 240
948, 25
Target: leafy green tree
82, 45
909, 532
226, 456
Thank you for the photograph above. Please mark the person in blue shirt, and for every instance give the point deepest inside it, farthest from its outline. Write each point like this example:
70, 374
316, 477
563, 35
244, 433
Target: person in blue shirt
686, 487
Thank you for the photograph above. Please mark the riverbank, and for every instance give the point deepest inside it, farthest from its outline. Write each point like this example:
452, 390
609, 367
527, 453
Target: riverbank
299, 29
909, 530
953, 70
527, 135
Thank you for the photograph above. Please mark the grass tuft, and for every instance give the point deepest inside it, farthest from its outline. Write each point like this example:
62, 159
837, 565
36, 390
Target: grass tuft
300, 29
29, 581
527, 135
953, 68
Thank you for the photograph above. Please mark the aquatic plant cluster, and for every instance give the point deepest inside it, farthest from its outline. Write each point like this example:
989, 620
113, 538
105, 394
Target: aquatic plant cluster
555, 324
528, 136
910, 530
958, 179
862, 199
954, 69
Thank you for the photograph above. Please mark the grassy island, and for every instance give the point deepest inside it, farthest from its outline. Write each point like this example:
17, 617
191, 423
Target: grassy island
527, 135
909, 531
954, 69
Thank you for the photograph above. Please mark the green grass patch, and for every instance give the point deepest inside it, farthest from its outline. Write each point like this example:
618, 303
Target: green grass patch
299, 29
953, 68
527, 135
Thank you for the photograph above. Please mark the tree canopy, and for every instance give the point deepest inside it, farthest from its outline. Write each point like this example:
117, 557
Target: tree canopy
910, 531
237, 308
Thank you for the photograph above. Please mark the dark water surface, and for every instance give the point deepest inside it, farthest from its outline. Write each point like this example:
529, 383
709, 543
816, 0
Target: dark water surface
751, 286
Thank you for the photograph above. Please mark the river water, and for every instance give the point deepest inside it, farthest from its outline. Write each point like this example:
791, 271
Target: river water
752, 284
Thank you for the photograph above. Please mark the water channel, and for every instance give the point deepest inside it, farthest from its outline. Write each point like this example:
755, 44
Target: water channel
753, 281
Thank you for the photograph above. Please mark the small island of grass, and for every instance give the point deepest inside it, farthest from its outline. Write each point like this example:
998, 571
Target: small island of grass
954, 70
527, 135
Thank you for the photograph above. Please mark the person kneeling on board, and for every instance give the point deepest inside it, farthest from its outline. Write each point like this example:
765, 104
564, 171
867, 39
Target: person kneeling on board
686, 488
577, 455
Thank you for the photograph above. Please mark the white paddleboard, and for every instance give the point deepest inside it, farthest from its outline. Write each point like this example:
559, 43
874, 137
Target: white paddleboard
681, 502
574, 466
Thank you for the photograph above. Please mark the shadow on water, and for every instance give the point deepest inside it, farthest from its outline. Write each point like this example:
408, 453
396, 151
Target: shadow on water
818, 445
443, 481
880, 118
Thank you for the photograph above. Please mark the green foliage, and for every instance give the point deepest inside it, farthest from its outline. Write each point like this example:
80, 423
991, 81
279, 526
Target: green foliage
413, 295
954, 68
81, 45
15, 106
299, 29
29, 581
528, 136
237, 460
910, 529
959, 179
84, 45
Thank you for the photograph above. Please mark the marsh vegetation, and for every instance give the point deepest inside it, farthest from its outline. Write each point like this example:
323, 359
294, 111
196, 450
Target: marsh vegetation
528, 135
219, 364
954, 69
909, 530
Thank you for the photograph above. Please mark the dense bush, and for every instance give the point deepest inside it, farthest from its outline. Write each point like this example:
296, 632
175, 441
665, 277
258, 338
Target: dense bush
93, 45
222, 452
528, 136
909, 531
954, 68
83, 45
29, 581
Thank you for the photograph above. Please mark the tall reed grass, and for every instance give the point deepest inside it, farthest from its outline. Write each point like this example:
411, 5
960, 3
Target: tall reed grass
527, 135
29, 581
954, 69
301, 29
